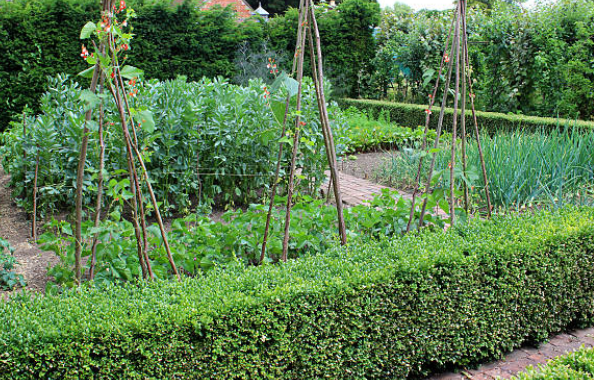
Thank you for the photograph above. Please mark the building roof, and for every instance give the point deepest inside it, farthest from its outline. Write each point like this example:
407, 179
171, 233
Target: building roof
243, 9
261, 11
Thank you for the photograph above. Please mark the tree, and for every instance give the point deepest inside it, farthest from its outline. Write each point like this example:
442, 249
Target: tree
399, 9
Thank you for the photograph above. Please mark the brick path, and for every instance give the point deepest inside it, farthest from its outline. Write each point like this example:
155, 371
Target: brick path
518, 360
356, 191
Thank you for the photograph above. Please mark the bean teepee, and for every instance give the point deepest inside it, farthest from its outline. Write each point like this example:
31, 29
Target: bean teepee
458, 63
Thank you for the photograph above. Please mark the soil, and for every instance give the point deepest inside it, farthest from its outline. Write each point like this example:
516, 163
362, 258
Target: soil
367, 166
16, 228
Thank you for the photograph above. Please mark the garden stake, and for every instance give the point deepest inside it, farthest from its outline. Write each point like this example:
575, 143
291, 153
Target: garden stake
455, 121
138, 191
34, 221
198, 164
280, 148
463, 118
460, 44
476, 129
315, 80
295, 140
139, 228
99, 201
133, 180
436, 143
330, 152
81, 169
24, 137
427, 121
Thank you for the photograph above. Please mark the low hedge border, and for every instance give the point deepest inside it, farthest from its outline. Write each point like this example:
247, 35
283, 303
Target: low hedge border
388, 310
412, 115
578, 365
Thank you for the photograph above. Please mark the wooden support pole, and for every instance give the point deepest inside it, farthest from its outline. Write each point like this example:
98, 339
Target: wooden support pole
439, 130
455, 119
427, 121
281, 145
325, 122
295, 150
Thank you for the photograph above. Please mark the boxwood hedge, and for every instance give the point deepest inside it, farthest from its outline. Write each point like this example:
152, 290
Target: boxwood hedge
385, 310
412, 115
577, 365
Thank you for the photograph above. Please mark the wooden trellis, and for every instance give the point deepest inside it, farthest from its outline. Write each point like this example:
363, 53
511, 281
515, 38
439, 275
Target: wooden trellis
111, 79
307, 31
457, 60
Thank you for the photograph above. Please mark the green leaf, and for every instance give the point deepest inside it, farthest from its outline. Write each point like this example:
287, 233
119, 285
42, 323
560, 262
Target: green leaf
285, 81
87, 30
130, 72
90, 98
147, 122
278, 110
88, 73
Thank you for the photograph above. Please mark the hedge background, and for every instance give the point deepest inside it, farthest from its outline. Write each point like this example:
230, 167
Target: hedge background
40, 38
412, 115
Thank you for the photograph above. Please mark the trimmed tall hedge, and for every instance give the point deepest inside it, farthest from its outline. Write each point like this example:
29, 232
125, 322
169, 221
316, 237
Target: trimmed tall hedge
384, 311
40, 38
412, 115
577, 365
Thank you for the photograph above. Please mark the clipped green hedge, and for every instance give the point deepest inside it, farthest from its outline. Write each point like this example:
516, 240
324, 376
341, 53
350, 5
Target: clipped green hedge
412, 115
389, 310
578, 365
40, 38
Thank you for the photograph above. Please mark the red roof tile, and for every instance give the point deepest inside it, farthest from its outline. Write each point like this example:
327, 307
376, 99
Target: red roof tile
243, 9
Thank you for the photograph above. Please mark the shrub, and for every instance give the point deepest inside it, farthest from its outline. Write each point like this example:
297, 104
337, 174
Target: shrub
578, 365
386, 310
411, 115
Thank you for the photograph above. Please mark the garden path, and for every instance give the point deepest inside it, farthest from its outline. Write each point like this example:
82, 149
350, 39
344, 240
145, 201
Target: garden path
518, 360
355, 190
16, 228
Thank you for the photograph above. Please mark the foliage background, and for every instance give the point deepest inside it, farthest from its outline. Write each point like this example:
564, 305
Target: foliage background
537, 62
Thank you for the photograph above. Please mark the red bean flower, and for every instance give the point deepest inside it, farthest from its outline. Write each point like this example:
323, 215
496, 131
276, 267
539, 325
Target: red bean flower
85, 52
122, 5
428, 111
